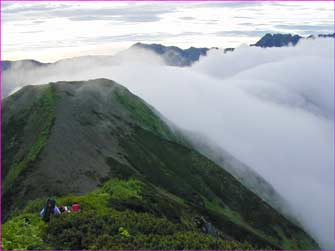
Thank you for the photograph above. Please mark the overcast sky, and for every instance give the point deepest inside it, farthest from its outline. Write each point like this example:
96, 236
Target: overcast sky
48, 31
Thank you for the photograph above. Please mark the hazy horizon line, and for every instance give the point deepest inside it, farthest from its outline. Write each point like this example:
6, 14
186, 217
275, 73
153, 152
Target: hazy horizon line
159, 43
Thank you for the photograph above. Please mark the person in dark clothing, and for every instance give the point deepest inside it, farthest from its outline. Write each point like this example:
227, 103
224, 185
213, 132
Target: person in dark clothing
49, 209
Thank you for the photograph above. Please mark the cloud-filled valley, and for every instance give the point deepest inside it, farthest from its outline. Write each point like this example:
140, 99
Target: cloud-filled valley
270, 108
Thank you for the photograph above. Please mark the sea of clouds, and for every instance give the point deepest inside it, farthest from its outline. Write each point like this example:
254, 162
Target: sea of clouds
273, 109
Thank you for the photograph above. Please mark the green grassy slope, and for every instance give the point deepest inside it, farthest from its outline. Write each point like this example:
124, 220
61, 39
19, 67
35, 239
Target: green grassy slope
42, 115
147, 173
101, 226
20, 153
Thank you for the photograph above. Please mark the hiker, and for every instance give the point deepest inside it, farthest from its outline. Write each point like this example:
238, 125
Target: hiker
75, 207
49, 209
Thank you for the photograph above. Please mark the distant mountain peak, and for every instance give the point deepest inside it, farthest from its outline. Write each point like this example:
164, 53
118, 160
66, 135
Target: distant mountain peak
327, 35
173, 55
280, 40
277, 40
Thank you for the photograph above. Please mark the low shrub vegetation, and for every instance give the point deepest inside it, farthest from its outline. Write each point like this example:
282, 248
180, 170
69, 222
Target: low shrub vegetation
24, 232
102, 225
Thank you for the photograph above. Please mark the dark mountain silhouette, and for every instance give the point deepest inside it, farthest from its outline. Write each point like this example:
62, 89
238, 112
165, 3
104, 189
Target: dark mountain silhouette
26, 63
173, 55
281, 40
277, 40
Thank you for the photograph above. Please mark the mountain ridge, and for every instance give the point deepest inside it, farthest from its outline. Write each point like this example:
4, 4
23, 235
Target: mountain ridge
96, 132
175, 56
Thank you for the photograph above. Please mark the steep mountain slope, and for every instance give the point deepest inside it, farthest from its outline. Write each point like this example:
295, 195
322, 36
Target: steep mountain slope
245, 174
106, 146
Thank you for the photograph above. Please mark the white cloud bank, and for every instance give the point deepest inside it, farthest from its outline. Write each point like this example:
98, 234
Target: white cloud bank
270, 108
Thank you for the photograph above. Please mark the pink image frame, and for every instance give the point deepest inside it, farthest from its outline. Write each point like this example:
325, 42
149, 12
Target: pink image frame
136, 1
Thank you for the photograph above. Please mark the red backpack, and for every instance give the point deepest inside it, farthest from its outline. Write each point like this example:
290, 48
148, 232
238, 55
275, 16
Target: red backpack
75, 207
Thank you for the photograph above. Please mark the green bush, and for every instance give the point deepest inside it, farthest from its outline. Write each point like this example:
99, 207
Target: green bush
123, 189
96, 201
23, 233
127, 230
154, 222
